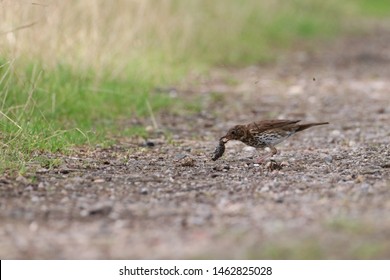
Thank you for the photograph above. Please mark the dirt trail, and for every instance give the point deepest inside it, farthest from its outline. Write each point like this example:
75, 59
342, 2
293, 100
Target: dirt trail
330, 200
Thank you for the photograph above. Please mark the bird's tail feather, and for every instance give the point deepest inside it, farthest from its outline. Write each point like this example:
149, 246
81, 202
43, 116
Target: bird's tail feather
307, 125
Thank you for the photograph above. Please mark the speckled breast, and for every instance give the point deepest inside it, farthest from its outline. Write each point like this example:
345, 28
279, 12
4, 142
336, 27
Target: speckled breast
256, 142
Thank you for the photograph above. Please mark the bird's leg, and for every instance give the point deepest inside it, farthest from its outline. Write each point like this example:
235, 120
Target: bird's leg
262, 159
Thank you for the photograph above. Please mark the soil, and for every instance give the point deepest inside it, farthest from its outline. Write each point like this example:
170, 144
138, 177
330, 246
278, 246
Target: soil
325, 195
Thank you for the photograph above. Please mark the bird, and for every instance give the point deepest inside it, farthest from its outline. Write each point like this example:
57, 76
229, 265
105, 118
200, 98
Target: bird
266, 133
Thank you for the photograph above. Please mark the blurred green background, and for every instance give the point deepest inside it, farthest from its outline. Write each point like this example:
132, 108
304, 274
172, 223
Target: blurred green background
70, 69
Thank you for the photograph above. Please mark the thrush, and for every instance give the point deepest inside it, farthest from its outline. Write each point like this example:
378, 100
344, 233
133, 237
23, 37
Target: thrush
266, 133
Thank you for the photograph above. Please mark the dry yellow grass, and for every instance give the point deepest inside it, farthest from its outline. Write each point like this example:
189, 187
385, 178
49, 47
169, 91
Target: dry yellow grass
78, 33
142, 33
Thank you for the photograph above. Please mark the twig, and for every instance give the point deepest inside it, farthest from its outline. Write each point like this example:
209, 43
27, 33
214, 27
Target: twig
11, 120
152, 115
20, 27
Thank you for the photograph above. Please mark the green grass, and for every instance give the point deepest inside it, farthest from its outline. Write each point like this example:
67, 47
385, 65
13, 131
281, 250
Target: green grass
376, 8
56, 109
66, 80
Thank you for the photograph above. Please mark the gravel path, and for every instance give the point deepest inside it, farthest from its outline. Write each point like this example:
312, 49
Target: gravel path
167, 199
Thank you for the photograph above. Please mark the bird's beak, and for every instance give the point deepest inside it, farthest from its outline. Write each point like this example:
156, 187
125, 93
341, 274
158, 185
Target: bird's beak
224, 139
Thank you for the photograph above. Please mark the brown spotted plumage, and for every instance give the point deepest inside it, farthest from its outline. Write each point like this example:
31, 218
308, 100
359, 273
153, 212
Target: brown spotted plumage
266, 133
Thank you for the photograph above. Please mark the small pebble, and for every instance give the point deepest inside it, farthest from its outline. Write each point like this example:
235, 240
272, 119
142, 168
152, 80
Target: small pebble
279, 200
284, 163
273, 165
99, 180
144, 191
335, 133
360, 179
328, 158
98, 209
149, 143
41, 186
187, 162
180, 156
264, 189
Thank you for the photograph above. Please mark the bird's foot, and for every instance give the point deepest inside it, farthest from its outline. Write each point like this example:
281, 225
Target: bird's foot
263, 160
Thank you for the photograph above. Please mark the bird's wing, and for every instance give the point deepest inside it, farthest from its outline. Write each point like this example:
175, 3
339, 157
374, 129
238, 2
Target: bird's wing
261, 126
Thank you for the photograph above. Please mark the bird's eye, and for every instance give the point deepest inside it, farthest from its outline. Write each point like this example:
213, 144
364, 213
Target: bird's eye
233, 132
